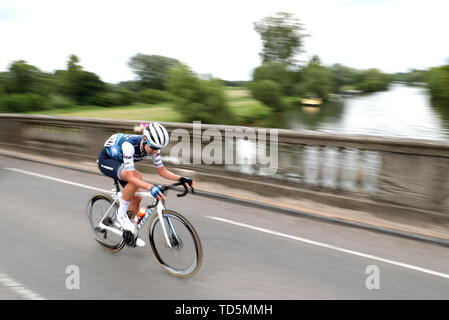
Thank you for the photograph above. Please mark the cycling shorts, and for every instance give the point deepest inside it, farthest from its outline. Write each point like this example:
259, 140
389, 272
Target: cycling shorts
110, 167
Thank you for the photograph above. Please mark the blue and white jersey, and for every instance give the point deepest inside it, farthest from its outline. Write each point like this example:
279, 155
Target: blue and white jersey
126, 148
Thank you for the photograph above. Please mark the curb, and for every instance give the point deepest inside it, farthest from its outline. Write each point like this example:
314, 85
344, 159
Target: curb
360, 225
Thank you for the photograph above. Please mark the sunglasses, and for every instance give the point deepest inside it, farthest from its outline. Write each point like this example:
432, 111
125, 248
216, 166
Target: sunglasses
145, 140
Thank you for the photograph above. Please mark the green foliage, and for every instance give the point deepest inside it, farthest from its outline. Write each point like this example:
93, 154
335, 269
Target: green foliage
21, 77
127, 96
17, 103
25, 88
228, 83
197, 99
114, 96
373, 80
58, 101
247, 114
344, 77
131, 85
106, 99
153, 96
277, 72
282, 37
25, 78
412, 77
268, 92
316, 81
81, 86
152, 70
438, 82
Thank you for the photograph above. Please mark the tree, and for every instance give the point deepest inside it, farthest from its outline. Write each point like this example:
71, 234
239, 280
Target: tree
72, 64
268, 92
412, 77
197, 99
316, 81
21, 78
438, 83
373, 80
82, 86
343, 76
282, 36
152, 70
277, 72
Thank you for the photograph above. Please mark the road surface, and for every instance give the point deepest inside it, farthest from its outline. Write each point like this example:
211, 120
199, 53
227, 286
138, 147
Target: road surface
249, 253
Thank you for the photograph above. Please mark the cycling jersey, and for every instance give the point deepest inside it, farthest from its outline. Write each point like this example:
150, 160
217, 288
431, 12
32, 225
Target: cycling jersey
126, 149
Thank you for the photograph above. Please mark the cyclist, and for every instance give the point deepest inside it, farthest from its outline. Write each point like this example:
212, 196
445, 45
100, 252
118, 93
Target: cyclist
116, 160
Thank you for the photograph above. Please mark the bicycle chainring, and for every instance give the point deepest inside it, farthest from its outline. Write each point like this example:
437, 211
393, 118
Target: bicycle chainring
130, 240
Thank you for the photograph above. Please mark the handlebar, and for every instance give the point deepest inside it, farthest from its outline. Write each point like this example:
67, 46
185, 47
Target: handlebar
165, 188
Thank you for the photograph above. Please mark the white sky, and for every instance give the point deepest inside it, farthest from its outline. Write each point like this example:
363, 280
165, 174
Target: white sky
217, 36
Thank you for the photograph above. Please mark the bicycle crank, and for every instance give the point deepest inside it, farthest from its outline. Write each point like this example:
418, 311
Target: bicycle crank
129, 238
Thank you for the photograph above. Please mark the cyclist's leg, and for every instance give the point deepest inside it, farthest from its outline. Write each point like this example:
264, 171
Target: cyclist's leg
110, 167
128, 194
134, 204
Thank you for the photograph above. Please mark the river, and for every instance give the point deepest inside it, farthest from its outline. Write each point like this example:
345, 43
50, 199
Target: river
402, 111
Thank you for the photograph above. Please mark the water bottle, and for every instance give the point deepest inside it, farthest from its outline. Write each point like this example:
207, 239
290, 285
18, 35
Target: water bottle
140, 214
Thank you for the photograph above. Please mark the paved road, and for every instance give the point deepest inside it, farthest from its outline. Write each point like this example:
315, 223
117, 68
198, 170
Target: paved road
248, 253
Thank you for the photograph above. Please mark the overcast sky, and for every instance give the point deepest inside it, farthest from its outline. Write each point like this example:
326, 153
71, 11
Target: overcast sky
217, 36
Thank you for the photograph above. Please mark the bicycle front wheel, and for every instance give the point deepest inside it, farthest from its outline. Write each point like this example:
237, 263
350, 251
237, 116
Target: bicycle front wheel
182, 258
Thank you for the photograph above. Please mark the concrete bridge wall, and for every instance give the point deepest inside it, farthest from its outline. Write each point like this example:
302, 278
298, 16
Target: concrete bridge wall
346, 171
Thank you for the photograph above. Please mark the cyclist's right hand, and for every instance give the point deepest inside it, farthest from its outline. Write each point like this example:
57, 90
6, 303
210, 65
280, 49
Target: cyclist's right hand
187, 182
156, 193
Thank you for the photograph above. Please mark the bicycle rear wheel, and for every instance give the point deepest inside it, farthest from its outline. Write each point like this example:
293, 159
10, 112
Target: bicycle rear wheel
97, 206
184, 258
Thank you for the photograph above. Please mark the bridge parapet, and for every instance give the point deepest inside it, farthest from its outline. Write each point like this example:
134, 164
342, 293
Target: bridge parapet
404, 172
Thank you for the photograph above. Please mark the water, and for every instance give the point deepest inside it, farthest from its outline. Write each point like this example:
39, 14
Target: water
402, 111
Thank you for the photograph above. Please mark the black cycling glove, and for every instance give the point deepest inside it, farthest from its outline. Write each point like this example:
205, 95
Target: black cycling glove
185, 180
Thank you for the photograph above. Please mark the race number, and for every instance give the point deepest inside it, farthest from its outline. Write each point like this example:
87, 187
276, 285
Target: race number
111, 141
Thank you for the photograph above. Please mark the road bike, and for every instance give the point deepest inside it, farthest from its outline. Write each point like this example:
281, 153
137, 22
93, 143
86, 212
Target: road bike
173, 240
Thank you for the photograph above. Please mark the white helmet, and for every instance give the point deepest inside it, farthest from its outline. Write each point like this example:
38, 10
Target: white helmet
156, 135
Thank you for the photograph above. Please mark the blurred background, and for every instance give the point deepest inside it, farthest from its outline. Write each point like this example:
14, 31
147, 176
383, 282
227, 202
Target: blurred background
372, 70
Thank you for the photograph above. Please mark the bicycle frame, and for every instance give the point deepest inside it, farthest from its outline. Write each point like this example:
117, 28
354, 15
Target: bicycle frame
117, 196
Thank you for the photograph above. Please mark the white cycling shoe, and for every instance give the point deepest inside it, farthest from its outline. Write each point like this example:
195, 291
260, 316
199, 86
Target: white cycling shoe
128, 225
125, 223
140, 243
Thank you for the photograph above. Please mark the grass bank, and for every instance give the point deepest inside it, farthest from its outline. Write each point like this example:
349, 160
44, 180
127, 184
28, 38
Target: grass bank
157, 112
246, 109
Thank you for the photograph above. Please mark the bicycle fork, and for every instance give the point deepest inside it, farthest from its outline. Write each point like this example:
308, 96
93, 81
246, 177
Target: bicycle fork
160, 207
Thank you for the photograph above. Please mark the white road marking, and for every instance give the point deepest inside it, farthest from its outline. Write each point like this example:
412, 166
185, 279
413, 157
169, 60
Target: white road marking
18, 288
312, 242
329, 246
57, 180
